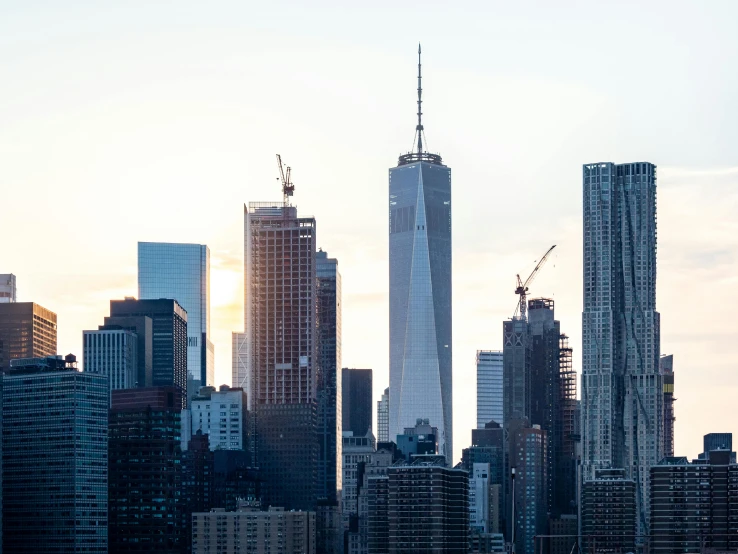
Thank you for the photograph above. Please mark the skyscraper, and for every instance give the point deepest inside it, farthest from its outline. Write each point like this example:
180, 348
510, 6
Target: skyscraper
357, 400
278, 363
145, 477
143, 328
182, 272
383, 417
330, 388
622, 386
27, 330
169, 337
420, 290
113, 353
489, 387
666, 364
55, 458
7, 288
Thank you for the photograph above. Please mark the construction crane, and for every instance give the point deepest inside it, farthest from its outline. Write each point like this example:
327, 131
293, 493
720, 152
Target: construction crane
522, 289
288, 189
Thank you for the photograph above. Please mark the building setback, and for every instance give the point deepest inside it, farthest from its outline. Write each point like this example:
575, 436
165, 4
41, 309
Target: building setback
489, 387
622, 385
169, 338
419, 207
275, 531
55, 463
357, 400
330, 386
27, 330
144, 483
182, 272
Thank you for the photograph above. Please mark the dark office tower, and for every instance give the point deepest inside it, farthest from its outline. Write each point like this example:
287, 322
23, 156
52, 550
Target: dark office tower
182, 272
622, 386
609, 512
437, 518
55, 458
27, 330
357, 400
169, 342
420, 291
328, 340
516, 374
666, 363
144, 330
420, 440
527, 451
280, 372
694, 506
144, 483
717, 441
196, 493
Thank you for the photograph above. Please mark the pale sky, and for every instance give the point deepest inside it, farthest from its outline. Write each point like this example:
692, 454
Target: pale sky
156, 121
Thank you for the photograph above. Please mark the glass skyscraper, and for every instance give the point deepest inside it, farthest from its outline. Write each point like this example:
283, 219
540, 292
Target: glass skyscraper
622, 386
489, 387
182, 272
420, 291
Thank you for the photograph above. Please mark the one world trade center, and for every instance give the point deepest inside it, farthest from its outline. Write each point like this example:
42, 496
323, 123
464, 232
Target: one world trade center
420, 290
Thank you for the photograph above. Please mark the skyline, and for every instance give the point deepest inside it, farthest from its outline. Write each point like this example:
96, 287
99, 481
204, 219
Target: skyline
182, 119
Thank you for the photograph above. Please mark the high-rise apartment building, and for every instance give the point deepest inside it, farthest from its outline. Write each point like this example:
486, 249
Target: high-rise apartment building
420, 290
277, 353
221, 414
489, 387
169, 337
182, 272
694, 506
357, 400
249, 529
622, 385
330, 386
27, 330
7, 288
437, 520
516, 369
113, 353
145, 479
356, 450
609, 512
55, 458
666, 364
383, 417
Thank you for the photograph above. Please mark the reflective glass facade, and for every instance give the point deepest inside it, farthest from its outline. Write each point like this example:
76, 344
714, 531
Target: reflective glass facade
420, 298
489, 387
55, 459
27, 330
182, 272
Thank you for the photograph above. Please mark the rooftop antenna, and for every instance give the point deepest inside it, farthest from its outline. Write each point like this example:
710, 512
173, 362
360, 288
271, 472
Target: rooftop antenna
288, 189
419, 127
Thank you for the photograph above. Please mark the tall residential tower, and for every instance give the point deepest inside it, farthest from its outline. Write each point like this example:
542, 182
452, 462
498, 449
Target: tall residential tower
420, 290
622, 389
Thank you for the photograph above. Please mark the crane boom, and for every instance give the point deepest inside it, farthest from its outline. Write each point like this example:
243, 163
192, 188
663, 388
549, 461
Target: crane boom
285, 174
522, 287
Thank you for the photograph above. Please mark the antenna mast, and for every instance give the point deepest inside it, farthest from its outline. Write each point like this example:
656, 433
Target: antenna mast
419, 127
285, 173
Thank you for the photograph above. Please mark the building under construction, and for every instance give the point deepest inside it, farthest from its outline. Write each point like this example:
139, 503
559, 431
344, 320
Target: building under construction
666, 364
276, 356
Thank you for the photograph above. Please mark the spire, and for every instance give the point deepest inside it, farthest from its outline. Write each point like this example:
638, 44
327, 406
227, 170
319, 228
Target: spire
419, 128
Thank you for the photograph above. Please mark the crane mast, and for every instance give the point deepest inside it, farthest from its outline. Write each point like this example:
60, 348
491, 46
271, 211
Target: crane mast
522, 287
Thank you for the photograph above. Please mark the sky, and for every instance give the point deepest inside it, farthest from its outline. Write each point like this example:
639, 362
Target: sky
157, 121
